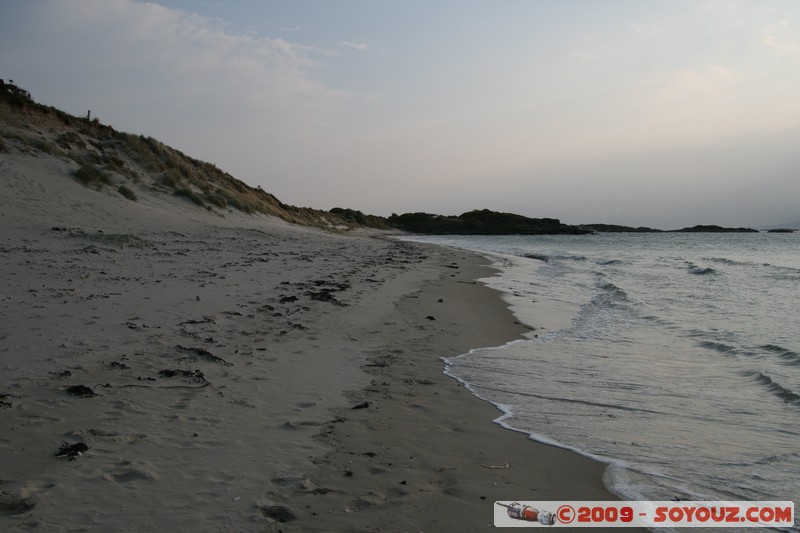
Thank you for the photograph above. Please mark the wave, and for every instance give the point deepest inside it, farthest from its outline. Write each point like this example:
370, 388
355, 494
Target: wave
626, 408
785, 394
783, 458
791, 358
718, 347
554, 257
726, 261
539, 257
701, 270
608, 261
612, 289
785, 274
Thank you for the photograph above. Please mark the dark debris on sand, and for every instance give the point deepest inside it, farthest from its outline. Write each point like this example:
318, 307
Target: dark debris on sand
82, 391
200, 353
3, 403
194, 375
73, 451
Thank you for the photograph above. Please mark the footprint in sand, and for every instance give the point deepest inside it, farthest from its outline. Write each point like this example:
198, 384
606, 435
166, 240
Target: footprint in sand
126, 471
17, 497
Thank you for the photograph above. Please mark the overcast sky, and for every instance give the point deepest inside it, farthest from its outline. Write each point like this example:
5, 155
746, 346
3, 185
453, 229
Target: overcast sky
637, 112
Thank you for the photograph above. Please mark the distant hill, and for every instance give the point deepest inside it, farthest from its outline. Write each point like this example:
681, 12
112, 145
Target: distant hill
134, 165
614, 228
788, 225
482, 222
714, 229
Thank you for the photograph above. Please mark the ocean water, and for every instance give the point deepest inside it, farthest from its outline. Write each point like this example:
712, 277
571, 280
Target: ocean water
678, 361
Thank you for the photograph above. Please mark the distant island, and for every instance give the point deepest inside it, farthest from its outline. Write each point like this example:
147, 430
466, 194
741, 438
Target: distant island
614, 228
715, 229
482, 222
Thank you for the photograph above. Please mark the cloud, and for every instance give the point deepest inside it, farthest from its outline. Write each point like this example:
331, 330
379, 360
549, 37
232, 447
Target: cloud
693, 84
639, 28
186, 51
355, 46
185, 79
781, 36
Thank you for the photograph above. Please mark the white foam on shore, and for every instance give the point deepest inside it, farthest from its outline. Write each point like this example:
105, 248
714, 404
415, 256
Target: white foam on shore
551, 315
619, 476
614, 477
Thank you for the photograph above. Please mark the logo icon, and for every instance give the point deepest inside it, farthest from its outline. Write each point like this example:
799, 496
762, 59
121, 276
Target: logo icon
529, 514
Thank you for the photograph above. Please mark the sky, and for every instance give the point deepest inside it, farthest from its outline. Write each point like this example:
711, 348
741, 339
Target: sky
637, 112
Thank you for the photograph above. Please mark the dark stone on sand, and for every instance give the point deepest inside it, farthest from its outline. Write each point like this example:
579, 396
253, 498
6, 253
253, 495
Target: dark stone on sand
362, 405
279, 513
81, 390
194, 375
325, 296
73, 451
201, 353
204, 320
429, 317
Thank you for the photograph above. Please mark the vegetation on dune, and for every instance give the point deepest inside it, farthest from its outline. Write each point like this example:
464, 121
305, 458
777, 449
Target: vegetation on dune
361, 219
109, 157
127, 193
191, 195
92, 176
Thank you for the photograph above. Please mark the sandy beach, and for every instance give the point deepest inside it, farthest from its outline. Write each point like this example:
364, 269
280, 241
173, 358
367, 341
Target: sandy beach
201, 372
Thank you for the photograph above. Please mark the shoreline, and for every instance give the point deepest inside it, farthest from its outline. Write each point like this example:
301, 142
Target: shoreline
425, 455
220, 351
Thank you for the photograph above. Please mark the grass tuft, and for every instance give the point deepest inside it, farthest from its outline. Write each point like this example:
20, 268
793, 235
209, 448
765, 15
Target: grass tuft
191, 195
127, 193
92, 176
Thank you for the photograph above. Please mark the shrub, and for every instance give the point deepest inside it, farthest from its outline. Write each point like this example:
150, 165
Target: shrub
91, 175
46, 147
191, 195
69, 138
235, 203
127, 193
217, 199
114, 163
172, 179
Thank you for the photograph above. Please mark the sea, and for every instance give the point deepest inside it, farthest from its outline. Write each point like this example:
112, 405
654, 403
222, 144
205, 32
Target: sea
677, 361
